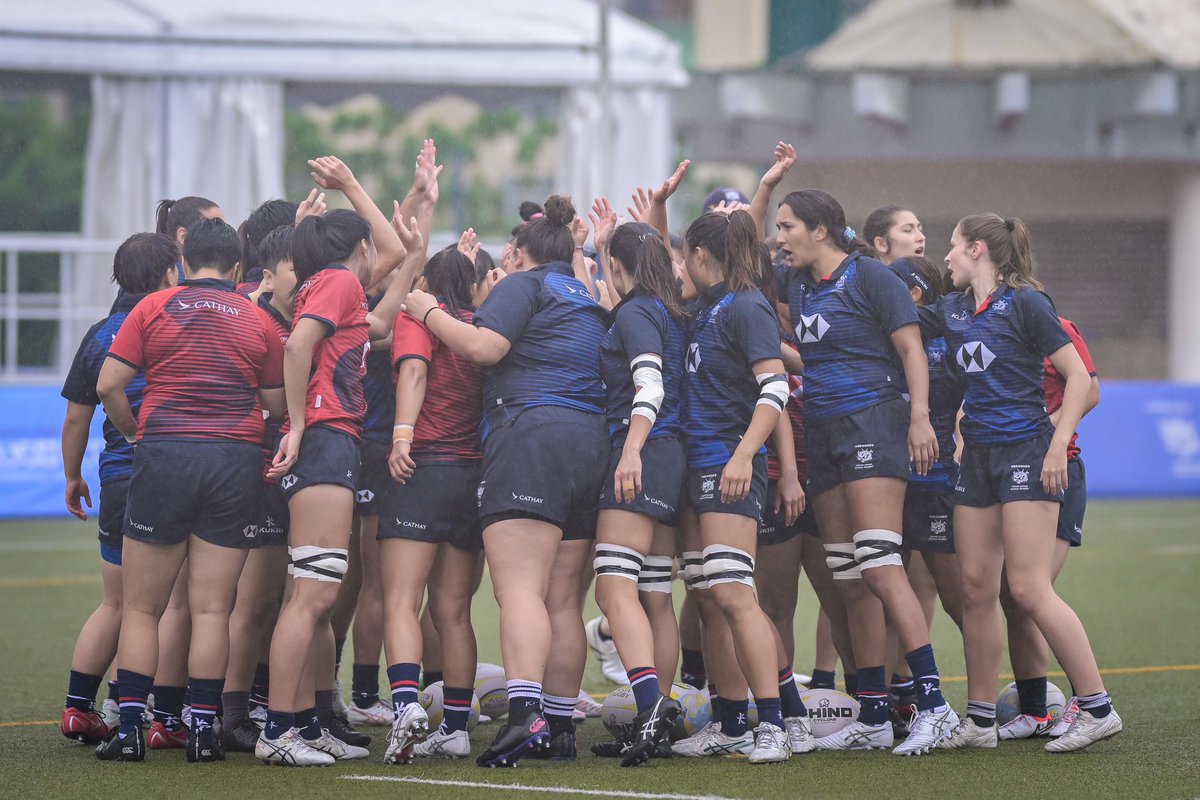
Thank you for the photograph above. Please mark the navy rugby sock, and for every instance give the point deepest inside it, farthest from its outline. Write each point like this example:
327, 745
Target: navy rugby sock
1031, 694
81, 691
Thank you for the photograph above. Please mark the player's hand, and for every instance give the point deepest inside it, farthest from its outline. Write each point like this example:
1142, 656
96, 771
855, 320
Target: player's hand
604, 222
418, 303
735, 479
1054, 470
288, 453
311, 206
922, 445
425, 180
728, 208
785, 159
330, 172
77, 489
641, 205
400, 462
605, 299
410, 234
671, 184
627, 481
469, 244
789, 496
579, 231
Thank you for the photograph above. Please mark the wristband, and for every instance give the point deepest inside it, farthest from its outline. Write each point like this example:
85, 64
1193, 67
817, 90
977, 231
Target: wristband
425, 319
402, 433
131, 439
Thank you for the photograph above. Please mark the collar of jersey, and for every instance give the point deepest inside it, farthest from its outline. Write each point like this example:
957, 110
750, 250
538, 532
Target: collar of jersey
713, 294
987, 301
126, 302
209, 283
840, 271
264, 302
560, 267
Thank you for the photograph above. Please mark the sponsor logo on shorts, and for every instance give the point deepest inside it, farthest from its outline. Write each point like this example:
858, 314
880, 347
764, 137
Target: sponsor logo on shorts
288, 481
865, 456
350, 474
364, 496
525, 498
654, 501
138, 526
708, 485
479, 494
407, 523
1020, 477
938, 526
250, 531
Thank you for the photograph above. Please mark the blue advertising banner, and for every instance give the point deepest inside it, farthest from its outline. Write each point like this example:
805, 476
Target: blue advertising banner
1143, 440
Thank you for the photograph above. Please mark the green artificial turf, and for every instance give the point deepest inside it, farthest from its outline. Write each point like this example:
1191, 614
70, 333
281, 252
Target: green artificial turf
1135, 583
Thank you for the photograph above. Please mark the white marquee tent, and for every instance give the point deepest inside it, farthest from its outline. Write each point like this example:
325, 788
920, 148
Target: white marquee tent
188, 98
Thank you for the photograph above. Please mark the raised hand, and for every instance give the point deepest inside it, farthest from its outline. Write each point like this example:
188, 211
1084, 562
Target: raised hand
641, 205
410, 235
579, 231
311, 206
669, 186
728, 208
425, 181
785, 159
604, 222
469, 244
330, 172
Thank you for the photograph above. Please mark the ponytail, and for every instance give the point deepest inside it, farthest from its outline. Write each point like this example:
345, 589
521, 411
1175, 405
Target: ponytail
172, 215
1009, 246
548, 237
732, 239
320, 241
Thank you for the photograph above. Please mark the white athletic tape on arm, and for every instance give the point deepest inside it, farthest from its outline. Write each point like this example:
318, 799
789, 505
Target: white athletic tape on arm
878, 548
693, 570
728, 565
773, 388
616, 561
841, 562
656, 574
325, 564
648, 380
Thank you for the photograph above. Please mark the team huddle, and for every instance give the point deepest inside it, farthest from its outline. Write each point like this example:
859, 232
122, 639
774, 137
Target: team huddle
313, 425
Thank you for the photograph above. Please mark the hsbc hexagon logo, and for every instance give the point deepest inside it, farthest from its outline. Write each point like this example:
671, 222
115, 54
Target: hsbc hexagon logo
288, 481
693, 357
811, 329
975, 357
364, 496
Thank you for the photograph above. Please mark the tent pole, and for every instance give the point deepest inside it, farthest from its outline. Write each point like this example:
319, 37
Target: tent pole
606, 111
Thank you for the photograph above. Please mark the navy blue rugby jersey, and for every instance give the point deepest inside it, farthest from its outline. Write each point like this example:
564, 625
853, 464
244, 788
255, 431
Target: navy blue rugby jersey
555, 327
731, 331
946, 384
379, 389
116, 459
844, 325
1001, 347
641, 324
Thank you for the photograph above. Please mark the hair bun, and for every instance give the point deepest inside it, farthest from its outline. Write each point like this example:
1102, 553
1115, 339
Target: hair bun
560, 210
1008, 223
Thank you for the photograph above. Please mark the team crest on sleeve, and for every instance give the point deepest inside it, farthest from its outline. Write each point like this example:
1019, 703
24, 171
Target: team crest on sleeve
811, 329
693, 357
975, 357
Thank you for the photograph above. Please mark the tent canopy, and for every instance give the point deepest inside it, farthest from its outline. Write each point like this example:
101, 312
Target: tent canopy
915, 35
548, 43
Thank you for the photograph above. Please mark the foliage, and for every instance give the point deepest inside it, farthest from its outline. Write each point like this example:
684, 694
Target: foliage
41, 166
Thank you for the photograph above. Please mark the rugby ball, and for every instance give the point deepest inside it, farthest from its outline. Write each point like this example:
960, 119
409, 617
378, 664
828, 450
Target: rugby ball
431, 698
829, 710
491, 689
1008, 703
617, 712
697, 708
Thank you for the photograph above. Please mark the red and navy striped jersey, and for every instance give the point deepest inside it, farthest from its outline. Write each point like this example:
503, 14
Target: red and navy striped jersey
844, 325
1054, 383
731, 331
116, 459
335, 298
379, 389
555, 327
642, 325
206, 352
447, 428
282, 328
1001, 346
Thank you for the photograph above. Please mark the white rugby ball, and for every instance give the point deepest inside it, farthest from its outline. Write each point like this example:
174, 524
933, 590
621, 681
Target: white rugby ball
491, 689
431, 699
617, 712
829, 710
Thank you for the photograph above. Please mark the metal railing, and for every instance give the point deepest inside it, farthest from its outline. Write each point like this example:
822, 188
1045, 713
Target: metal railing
85, 295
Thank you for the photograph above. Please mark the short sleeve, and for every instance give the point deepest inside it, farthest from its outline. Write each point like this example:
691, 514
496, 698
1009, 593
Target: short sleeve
411, 339
510, 306
129, 343
1080, 345
80, 384
931, 319
754, 327
642, 328
890, 300
1039, 322
272, 374
333, 300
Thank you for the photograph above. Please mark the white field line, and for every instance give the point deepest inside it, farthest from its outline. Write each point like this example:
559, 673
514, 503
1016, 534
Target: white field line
520, 787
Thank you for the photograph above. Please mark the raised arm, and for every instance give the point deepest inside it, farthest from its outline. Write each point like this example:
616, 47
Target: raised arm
760, 204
